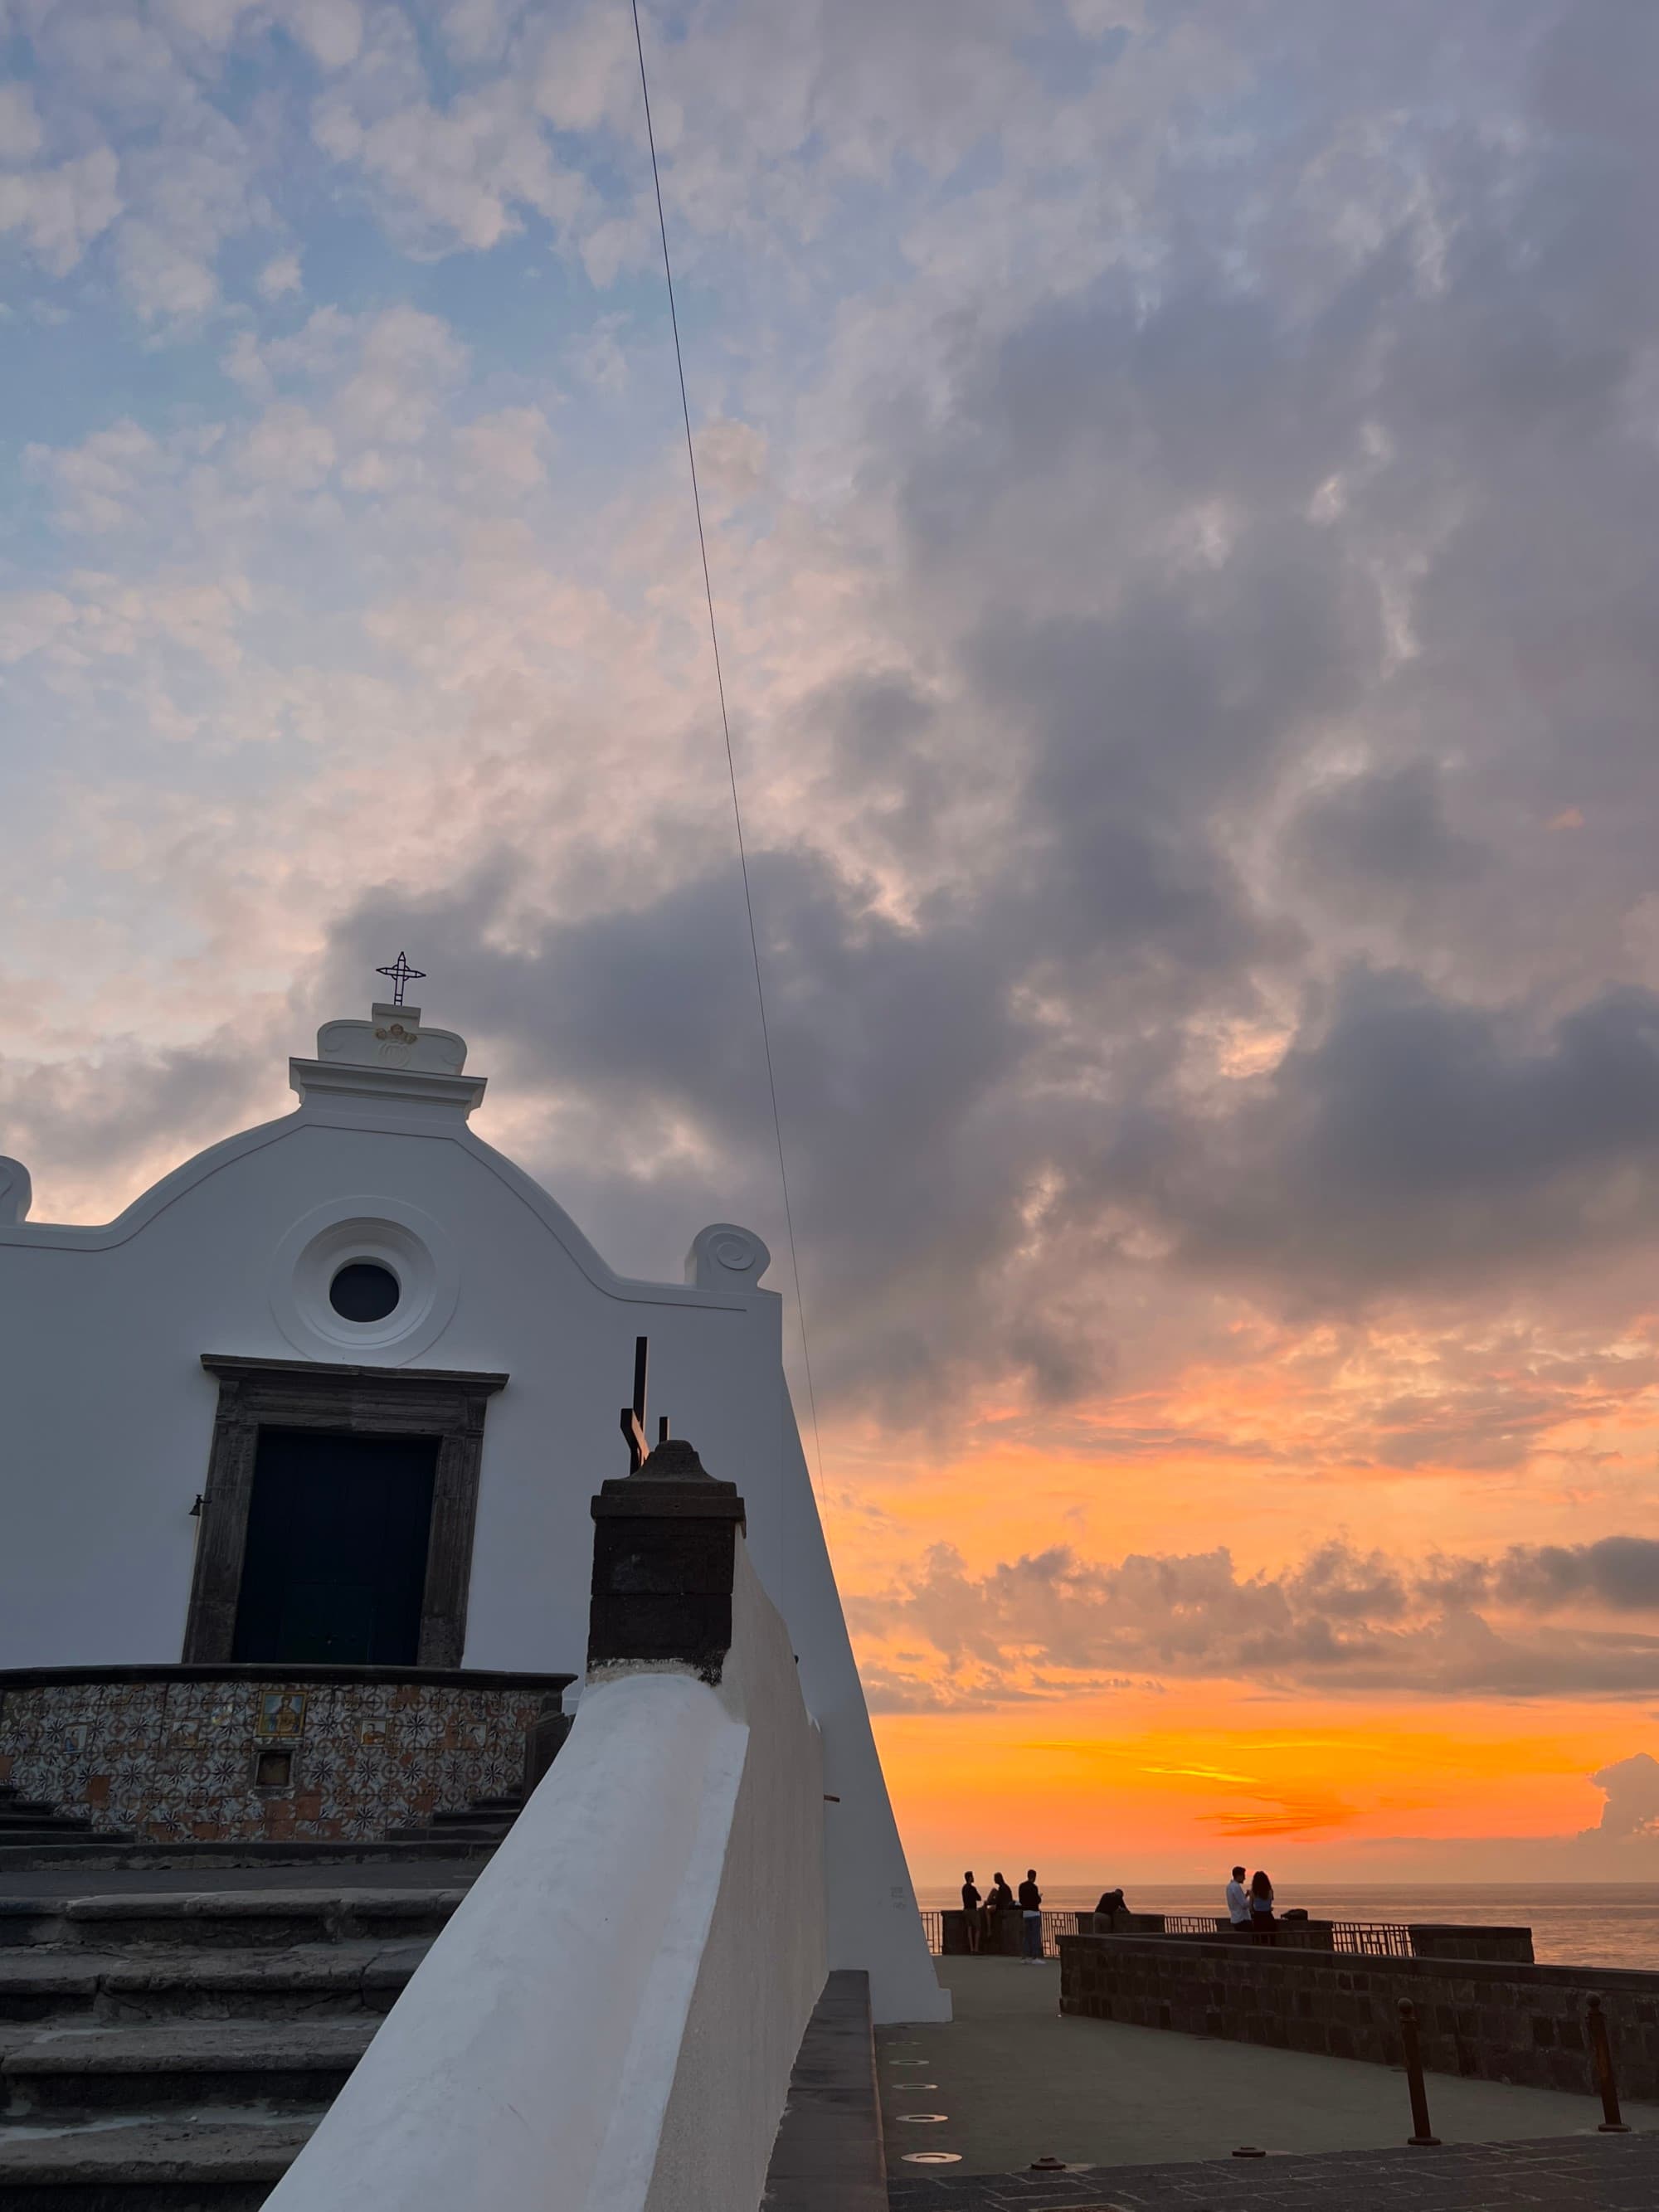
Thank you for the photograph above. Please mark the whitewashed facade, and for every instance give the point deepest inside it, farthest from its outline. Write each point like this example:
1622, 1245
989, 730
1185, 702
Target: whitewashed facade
108, 1414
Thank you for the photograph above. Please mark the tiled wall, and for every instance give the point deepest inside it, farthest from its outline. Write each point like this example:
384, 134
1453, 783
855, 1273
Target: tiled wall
177, 1761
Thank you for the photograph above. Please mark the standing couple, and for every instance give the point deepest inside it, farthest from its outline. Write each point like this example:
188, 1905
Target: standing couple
1250, 1911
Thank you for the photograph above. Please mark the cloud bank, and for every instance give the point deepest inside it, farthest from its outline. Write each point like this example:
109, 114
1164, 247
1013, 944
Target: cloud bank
1183, 483
1532, 1622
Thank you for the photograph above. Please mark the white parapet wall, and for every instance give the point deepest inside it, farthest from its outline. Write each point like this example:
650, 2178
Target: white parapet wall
608, 2022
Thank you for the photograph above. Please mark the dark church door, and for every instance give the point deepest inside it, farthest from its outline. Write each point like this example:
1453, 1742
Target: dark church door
336, 1543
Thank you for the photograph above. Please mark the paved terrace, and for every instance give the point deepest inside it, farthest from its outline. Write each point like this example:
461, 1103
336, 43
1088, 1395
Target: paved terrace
1595, 2173
1015, 2082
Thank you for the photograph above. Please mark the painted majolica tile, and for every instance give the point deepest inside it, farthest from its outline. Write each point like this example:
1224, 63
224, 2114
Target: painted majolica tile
282, 1713
173, 1761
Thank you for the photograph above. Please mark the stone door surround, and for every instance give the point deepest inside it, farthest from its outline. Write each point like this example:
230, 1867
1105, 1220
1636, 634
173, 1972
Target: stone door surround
386, 1401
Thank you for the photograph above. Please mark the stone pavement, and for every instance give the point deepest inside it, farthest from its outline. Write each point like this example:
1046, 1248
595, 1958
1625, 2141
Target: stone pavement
1009, 2081
1571, 2173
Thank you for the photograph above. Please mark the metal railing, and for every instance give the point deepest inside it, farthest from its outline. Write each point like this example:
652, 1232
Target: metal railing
1372, 1939
1366, 1939
1054, 1925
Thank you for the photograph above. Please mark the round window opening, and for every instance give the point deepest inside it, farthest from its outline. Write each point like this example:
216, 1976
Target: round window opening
363, 1291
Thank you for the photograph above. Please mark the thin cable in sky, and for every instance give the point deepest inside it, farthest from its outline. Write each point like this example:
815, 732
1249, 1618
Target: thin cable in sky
730, 764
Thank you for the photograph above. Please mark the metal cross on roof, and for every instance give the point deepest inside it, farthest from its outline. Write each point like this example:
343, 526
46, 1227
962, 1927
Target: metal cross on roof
632, 1417
401, 973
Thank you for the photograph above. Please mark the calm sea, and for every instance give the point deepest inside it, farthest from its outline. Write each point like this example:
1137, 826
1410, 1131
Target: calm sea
1590, 1923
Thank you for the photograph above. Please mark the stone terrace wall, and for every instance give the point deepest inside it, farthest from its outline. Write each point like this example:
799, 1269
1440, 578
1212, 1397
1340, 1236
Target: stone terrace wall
1496, 2022
1508, 1947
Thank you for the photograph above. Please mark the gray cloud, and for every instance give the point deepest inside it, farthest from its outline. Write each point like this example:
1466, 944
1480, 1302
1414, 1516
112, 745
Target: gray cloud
1341, 1622
1407, 1138
1384, 831
133, 1111
1632, 1793
1209, 855
1619, 1572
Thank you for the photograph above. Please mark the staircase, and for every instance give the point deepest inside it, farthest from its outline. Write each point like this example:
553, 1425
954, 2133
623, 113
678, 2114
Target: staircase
172, 2052
485, 1821
25, 1822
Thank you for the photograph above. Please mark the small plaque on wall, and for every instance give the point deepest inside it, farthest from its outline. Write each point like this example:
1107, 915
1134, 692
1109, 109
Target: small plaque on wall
282, 1713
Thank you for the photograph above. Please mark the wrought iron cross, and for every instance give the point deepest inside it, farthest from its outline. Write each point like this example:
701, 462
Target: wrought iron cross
632, 1417
401, 973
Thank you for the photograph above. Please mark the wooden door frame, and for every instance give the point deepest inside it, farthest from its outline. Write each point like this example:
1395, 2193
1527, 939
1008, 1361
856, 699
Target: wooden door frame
448, 1403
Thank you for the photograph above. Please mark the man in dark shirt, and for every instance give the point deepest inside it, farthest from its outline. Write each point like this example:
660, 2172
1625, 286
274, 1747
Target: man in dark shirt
972, 1919
1031, 1904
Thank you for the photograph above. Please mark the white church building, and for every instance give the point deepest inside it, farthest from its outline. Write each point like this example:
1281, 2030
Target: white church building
299, 1453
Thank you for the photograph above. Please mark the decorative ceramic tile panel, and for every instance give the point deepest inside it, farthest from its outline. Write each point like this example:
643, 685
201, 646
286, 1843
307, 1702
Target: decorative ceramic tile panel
176, 1761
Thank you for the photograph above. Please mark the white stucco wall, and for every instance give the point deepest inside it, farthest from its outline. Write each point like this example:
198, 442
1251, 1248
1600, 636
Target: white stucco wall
106, 1415
874, 1920
609, 2022
764, 1964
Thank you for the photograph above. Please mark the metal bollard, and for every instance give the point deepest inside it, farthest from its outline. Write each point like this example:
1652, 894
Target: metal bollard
1601, 2058
1422, 2137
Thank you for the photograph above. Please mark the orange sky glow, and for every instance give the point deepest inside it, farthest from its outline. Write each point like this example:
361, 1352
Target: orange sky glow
1179, 499
1169, 1778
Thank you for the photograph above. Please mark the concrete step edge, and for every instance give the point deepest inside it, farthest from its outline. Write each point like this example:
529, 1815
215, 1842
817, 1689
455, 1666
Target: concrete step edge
47, 1970
185, 2047
108, 1854
156, 2152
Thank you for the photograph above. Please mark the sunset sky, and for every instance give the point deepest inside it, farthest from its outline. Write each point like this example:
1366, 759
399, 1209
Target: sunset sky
1182, 480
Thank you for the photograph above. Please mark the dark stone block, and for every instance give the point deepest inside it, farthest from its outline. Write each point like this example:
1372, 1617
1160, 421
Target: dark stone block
696, 1631
647, 1555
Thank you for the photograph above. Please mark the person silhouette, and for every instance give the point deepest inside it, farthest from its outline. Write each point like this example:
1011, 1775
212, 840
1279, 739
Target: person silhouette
1031, 1906
973, 1919
1262, 1903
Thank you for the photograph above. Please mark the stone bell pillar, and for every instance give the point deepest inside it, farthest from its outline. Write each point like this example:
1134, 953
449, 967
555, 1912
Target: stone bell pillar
664, 1543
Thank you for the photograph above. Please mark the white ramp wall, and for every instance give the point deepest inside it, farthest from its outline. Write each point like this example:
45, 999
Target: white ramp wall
609, 2021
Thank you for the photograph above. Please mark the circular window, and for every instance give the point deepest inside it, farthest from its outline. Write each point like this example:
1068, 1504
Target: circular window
364, 1291
368, 1277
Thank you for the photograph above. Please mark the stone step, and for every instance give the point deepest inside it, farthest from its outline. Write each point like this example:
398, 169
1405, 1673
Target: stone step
16, 1820
88, 2073
39, 1981
113, 1853
241, 1919
73, 1986
153, 2165
485, 1820
448, 1830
